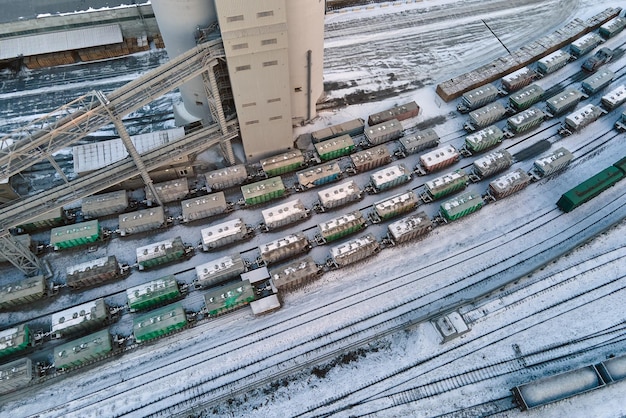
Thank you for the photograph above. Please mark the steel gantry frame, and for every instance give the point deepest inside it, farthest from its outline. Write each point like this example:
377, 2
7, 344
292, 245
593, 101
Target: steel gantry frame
40, 139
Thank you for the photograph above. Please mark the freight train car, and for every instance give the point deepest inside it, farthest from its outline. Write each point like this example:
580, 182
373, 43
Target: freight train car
142, 220
388, 177
295, 274
16, 375
370, 158
168, 191
518, 79
524, 121
318, 175
482, 140
612, 27
82, 318
614, 98
420, 141
598, 59
352, 127
437, 159
339, 195
27, 290
153, 293
228, 297
409, 228
585, 44
46, 220
105, 204
204, 207
224, 233
620, 124
162, 252
263, 191
551, 163
354, 250
335, 147
580, 118
553, 62
485, 116
508, 184
401, 112
159, 322
563, 102
589, 188
444, 185
283, 248
461, 206
383, 132
95, 272
490, 164
15, 339
224, 178
340, 227
282, 163
70, 236
393, 206
477, 97
82, 351
219, 270
284, 214
597, 81
525, 98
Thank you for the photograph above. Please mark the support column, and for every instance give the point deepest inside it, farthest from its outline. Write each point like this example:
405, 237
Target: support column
217, 110
20, 256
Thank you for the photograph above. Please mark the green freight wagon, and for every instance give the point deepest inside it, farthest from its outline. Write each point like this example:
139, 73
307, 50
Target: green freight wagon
47, 220
83, 351
161, 252
525, 98
24, 291
152, 294
228, 297
283, 163
352, 127
335, 147
589, 188
445, 185
159, 322
14, 339
461, 205
341, 226
70, 236
263, 191
483, 139
524, 121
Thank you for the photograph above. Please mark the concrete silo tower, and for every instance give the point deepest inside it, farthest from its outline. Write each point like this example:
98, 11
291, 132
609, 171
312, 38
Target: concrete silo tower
178, 21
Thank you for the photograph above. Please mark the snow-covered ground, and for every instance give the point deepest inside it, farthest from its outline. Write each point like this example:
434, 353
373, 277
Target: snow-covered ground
421, 44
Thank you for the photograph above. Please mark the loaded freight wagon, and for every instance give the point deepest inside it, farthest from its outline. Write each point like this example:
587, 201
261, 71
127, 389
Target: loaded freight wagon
339, 227
284, 214
226, 298
169, 191
518, 79
354, 250
445, 185
485, 116
563, 102
296, 273
420, 141
524, 121
159, 322
283, 248
152, 294
370, 158
105, 204
383, 132
525, 98
16, 375
335, 147
585, 44
438, 159
95, 272
13, 340
400, 112
263, 191
612, 27
553, 62
204, 207
29, 289
70, 236
162, 252
460, 206
227, 177
409, 228
482, 140
46, 220
219, 270
352, 127
598, 81
282, 163
509, 183
82, 318
393, 206
551, 163
339, 195
82, 351
477, 97
224, 234
142, 221
318, 175
388, 177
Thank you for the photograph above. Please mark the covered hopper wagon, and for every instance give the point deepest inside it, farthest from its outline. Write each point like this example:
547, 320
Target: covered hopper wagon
14, 339
612, 27
334, 147
29, 289
400, 112
143, 220
318, 175
388, 178
614, 98
620, 124
16, 375
585, 44
224, 233
551, 163
70, 236
508, 184
168, 191
518, 79
339, 195
283, 163
224, 178
383, 132
340, 227
159, 322
46, 220
219, 270
228, 297
437, 159
393, 206
162, 252
485, 116
477, 97
553, 62
525, 98
482, 140
580, 118
105, 204
79, 319
284, 214
370, 158
263, 191
444, 185
524, 121
153, 293
95, 272
354, 250
415, 143
352, 127
563, 102
295, 273
408, 228
283, 248
84, 350
461, 206
204, 207
596, 82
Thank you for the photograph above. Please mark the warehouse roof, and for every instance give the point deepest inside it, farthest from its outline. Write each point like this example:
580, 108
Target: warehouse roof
45, 43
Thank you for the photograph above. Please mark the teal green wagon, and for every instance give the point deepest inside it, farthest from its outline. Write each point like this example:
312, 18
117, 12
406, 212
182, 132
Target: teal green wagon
70, 236
263, 191
159, 322
14, 339
152, 294
461, 206
228, 297
83, 350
